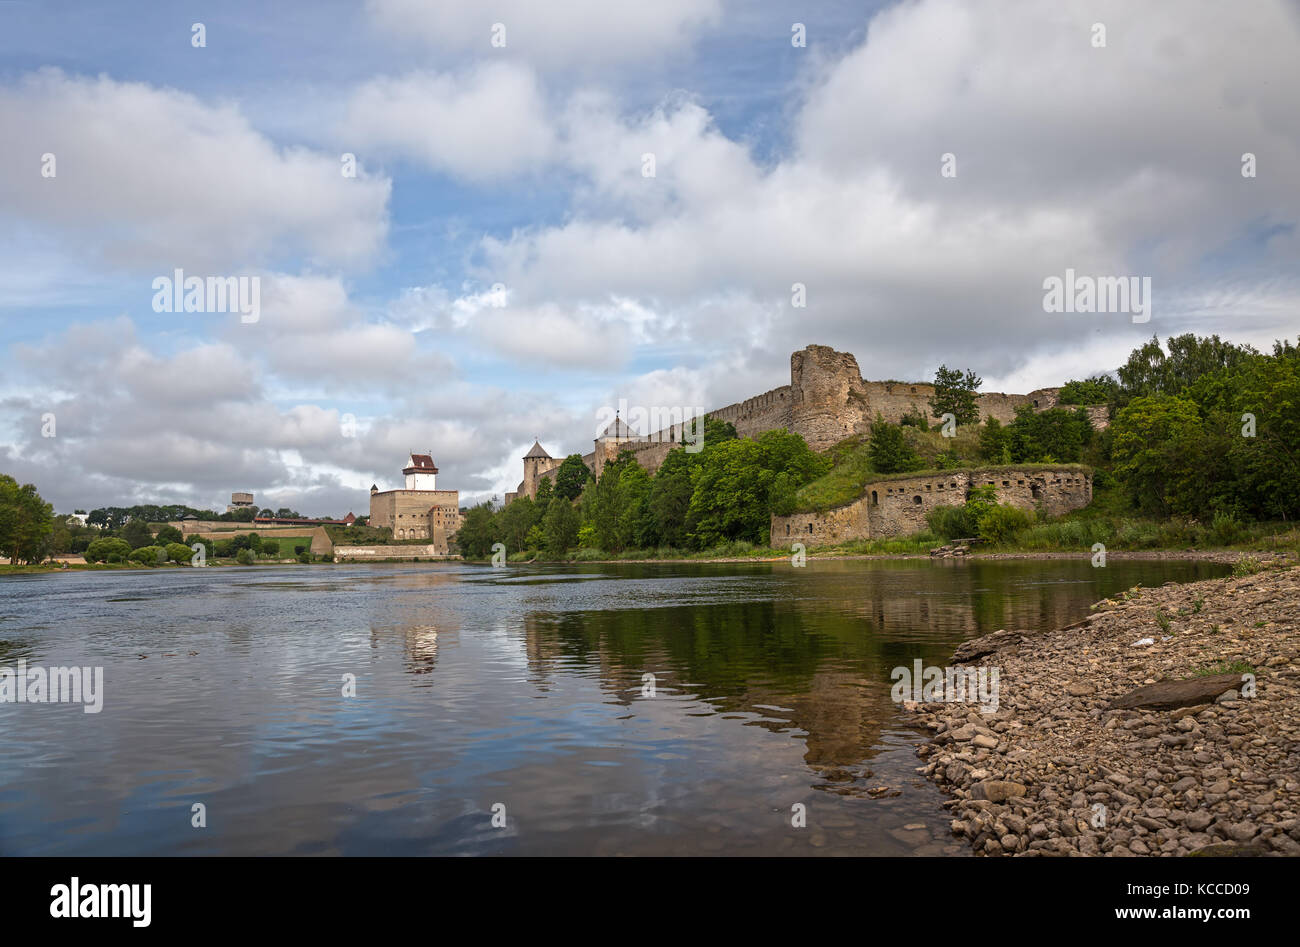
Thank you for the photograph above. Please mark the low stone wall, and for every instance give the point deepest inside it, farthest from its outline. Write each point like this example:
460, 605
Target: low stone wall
898, 507
360, 553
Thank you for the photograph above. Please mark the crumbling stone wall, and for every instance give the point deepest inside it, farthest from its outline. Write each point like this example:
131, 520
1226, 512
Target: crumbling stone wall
826, 401
897, 507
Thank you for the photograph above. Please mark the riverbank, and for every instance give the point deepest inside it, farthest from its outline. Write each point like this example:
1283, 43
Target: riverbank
1228, 556
1134, 731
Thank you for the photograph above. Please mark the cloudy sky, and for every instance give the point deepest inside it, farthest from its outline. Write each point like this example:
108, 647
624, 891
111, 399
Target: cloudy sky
501, 267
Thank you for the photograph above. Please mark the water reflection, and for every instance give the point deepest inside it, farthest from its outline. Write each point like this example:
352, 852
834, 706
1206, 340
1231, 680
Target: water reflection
477, 687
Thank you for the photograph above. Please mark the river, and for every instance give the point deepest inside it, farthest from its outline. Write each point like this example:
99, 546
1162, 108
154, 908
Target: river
639, 709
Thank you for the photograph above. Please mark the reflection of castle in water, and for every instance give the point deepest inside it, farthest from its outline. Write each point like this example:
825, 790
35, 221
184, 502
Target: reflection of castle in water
826, 675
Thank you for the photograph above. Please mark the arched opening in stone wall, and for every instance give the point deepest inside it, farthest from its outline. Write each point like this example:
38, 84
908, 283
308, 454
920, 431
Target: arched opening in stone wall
917, 499
875, 498
1036, 490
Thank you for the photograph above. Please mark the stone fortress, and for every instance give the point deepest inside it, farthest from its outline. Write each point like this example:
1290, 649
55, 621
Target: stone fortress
420, 510
826, 401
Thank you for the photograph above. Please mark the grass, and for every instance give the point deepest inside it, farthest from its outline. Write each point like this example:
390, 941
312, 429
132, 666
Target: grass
852, 471
1225, 667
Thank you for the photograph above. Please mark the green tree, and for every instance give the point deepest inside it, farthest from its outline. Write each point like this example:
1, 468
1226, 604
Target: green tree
889, 450
168, 534
1056, 435
670, 496
954, 393
26, 521
560, 529
270, 547
1095, 389
137, 533
1151, 436
512, 524
179, 552
572, 477
245, 557
475, 536
545, 491
995, 442
738, 481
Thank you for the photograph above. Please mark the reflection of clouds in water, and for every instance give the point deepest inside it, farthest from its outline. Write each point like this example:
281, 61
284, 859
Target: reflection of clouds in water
508, 643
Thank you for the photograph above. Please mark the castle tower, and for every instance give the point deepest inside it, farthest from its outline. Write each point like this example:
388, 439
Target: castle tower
610, 442
536, 462
420, 473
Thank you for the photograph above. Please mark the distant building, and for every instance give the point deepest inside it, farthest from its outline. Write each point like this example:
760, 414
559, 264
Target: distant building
536, 462
420, 510
240, 501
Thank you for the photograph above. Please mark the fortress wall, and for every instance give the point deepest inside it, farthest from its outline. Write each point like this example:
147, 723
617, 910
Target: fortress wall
898, 507
362, 553
894, 400
765, 412
652, 455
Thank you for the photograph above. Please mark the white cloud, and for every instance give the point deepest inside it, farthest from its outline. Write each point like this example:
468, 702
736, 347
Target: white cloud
154, 178
484, 124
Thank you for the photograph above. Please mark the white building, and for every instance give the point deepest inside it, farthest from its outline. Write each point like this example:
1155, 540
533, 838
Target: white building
420, 473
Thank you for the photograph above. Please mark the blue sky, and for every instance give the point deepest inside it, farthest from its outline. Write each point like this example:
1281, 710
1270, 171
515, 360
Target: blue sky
522, 166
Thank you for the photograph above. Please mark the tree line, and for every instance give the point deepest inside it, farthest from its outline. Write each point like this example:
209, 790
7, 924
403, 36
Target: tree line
720, 494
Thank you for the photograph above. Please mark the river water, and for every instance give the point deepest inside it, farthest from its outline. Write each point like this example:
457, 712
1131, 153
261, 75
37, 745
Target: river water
501, 711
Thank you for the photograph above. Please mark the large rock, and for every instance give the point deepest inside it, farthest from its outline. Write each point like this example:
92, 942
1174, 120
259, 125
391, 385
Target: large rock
996, 790
977, 648
1166, 695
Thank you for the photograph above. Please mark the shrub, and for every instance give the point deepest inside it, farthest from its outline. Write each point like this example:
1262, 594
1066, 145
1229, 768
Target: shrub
1246, 565
1225, 530
146, 555
299, 550
303, 555
223, 548
270, 547
950, 522
179, 552
245, 557
100, 550
1002, 522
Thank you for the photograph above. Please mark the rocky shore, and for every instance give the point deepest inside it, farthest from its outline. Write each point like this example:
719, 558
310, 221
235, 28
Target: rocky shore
1165, 723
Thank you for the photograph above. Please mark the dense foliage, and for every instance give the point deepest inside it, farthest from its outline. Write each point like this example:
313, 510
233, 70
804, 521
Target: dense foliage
726, 492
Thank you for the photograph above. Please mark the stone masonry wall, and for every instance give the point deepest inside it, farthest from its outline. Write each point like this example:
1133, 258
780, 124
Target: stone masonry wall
826, 401
890, 508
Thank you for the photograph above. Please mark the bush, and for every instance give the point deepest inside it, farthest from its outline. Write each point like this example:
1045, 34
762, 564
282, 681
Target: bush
114, 557
100, 550
303, 555
1002, 522
951, 522
245, 557
1225, 530
179, 552
270, 547
146, 555
223, 548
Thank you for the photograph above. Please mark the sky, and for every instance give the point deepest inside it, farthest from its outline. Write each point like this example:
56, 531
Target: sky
501, 265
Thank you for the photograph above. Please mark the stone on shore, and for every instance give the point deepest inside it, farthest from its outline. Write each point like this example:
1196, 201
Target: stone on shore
1168, 695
